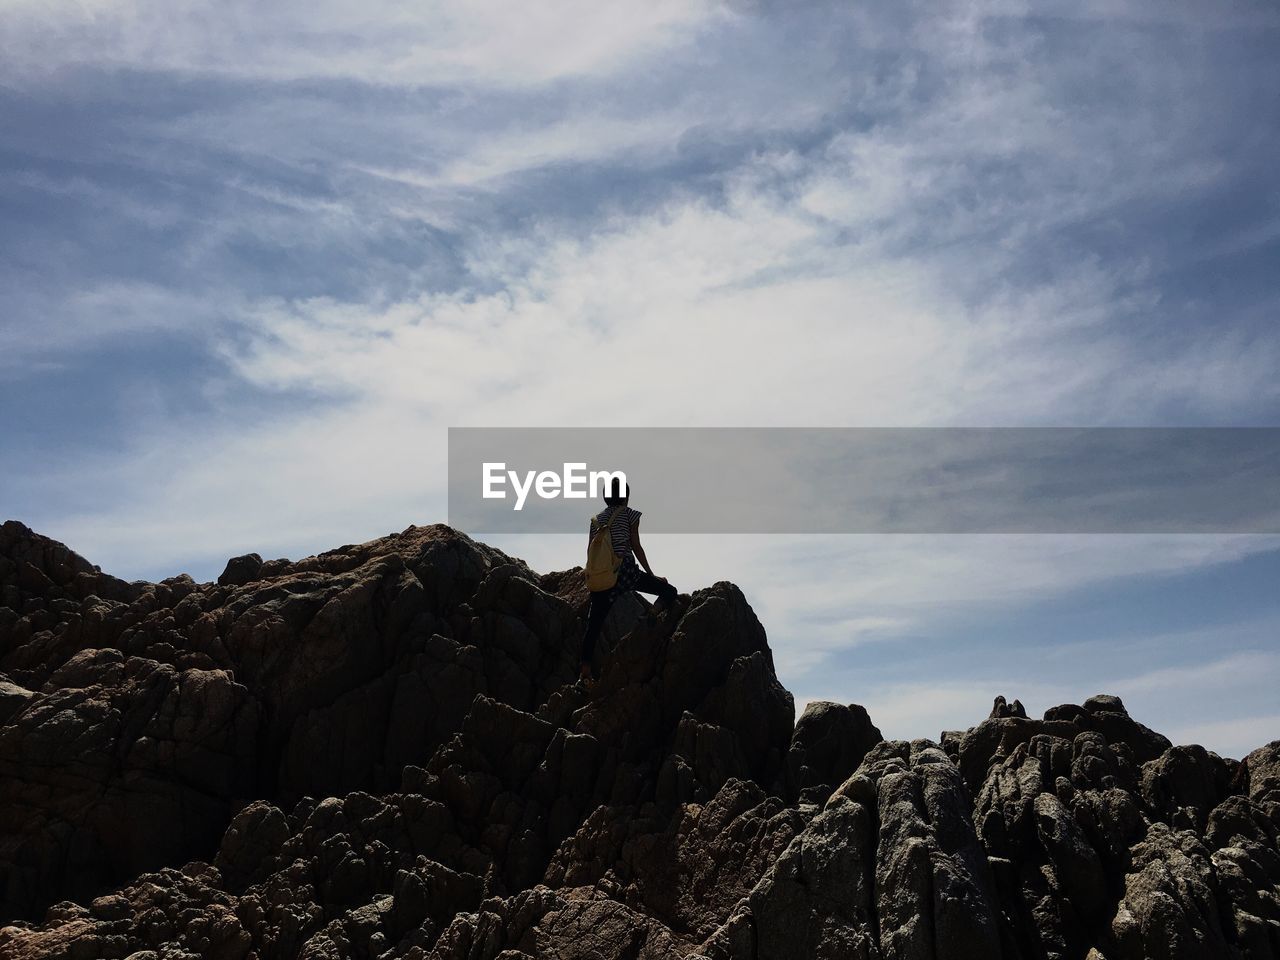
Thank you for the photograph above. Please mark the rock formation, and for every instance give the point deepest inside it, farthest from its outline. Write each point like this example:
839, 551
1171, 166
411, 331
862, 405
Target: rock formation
379, 752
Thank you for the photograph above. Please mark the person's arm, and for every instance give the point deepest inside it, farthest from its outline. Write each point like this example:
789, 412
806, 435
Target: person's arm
638, 550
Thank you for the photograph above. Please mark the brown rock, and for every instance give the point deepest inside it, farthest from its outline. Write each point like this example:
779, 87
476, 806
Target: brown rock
379, 752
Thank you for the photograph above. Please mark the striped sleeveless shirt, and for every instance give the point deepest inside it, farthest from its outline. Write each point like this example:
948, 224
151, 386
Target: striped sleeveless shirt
620, 537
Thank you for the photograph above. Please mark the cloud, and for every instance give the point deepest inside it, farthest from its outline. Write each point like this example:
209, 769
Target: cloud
482, 42
586, 139
90, 316
1235, 738
899, 589
888, 267
875, 279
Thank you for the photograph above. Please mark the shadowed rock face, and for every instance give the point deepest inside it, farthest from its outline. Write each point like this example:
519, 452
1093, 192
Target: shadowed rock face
379, 752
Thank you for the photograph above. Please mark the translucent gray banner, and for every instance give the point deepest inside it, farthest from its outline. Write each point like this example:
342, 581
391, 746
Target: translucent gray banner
872, 480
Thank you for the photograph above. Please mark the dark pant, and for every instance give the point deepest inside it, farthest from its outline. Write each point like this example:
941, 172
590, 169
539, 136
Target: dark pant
602, 603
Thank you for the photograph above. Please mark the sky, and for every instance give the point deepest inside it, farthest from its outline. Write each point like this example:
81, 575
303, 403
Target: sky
256, 259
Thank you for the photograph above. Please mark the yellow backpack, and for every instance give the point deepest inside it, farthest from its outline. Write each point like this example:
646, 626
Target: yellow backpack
601, 570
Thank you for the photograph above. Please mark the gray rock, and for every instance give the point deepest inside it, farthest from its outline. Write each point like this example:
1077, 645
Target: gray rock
1170, 908
827, 746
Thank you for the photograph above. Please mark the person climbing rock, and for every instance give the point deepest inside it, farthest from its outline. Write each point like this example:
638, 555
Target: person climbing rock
613, 547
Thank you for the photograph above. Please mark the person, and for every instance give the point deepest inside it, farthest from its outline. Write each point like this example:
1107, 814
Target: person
624, 532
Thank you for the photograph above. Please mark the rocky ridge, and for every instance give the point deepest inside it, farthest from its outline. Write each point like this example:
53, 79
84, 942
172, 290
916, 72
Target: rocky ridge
378, 752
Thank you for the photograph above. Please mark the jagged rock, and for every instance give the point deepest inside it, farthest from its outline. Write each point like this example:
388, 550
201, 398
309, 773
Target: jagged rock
156, 707
174, 913
251, 844
995, 738
688, 870
935, 894
1170, 906
545, 923
816, 901
827, 746
1183, 785
13, 699
1002, 708
1262, 768
892, 867
1106, 714
380, 752
118, 765
241, 570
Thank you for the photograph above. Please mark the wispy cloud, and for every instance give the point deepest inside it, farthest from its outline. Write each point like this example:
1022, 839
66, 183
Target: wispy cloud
477, 42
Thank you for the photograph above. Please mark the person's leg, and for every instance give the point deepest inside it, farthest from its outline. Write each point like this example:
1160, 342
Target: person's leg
601, 602
648, 583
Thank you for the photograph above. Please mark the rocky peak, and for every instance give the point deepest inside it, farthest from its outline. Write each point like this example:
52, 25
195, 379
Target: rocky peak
380, 752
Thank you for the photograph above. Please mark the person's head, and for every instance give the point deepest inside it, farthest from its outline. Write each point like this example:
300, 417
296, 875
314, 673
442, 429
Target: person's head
617, 493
